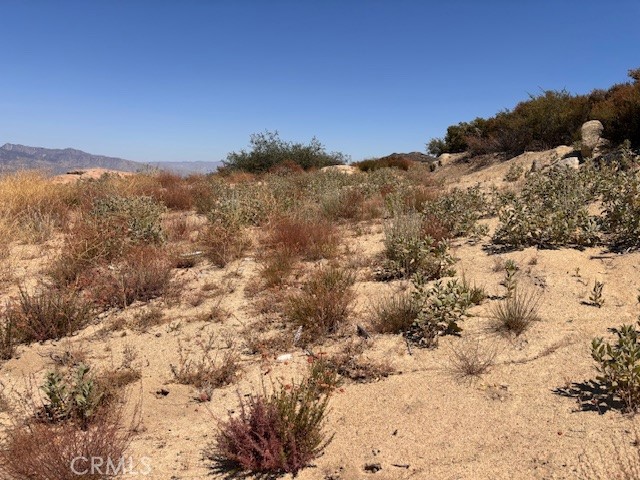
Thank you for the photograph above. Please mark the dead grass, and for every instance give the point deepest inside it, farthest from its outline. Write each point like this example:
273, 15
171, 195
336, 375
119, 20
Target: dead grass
470, 359
204, 369
308, 238
223, 244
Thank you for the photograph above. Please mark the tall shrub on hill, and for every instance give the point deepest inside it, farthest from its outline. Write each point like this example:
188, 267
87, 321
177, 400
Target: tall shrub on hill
549, 119
268, 150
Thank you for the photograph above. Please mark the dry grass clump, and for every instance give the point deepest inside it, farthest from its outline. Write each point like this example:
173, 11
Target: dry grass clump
350, 363
309, 238
471, 359
274, 433
46, 450
324, 303
517, 312
174, 192
143, 274
31, 206
224, 243
47, 313
394, 313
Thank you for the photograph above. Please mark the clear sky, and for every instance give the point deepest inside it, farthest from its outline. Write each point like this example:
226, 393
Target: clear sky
191, 80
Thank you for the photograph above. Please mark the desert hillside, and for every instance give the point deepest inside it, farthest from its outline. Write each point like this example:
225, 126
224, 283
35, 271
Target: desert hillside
438, 322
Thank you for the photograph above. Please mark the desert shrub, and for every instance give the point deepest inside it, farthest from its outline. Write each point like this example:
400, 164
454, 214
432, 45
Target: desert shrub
514, 173
619, 365
140, 215
471, 359
75, 396
517, 312
350, 203
309, 238
143, 274
551, 211
372, 164
175, 192
442, 308
32, 206
8, 335
394, 313
276, 266
276, 433
621, 209
243, 204
408, 250
204, 370
224, 243
47, 450
458, 211
47, 313
349, 362
268, 150
324, 303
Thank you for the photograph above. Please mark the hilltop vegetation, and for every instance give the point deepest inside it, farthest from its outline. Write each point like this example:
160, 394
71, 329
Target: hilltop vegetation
547, 120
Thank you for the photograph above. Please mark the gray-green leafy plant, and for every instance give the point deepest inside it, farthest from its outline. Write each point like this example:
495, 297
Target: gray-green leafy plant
75, 396
619, 365
139, 215
443, 307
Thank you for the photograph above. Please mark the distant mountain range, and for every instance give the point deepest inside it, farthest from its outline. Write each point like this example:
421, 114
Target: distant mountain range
57, 161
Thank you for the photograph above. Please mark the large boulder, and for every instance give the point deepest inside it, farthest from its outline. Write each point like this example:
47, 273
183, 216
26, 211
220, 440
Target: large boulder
591, 137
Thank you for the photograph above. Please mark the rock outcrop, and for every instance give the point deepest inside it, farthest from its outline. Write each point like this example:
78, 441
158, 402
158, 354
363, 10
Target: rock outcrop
592, 140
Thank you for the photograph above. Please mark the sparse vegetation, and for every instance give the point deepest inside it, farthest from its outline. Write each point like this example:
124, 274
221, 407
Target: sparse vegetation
323, 304
517, 312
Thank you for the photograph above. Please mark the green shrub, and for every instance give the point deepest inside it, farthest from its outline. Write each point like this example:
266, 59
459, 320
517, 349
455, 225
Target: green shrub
373, 164
75, 397
514, 173
140, 215
459, 211
619, 365
408, 250
621, 208
551, 211
268, 150
442, 307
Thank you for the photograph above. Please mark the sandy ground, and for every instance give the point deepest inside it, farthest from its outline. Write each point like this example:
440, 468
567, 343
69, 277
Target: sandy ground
422, 422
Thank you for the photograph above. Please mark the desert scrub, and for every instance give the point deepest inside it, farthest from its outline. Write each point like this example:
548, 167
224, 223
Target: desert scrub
442, 308
323, 304
621, 209
394, 313
274, 433
551, 211
619, 365
139, 214
224, 242
303, 236
517, 312
514, 173
459, 211
47, 313
408, 250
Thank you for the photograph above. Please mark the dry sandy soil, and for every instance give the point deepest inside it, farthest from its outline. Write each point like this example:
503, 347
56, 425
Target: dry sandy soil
423, 422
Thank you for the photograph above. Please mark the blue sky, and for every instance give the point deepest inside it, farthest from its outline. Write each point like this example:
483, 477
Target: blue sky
191, 80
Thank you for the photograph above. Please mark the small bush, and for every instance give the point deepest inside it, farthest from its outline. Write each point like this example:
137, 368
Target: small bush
206, 372
77, 397
268, 150
277, 433
408, 250
517, 312
144, 274
619, 365
140, 216
471, 359
47, 314
373, 164
514, 173
311, 239
323, 304
442, 307
47, 450
394, 313
224, 243
275, 266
